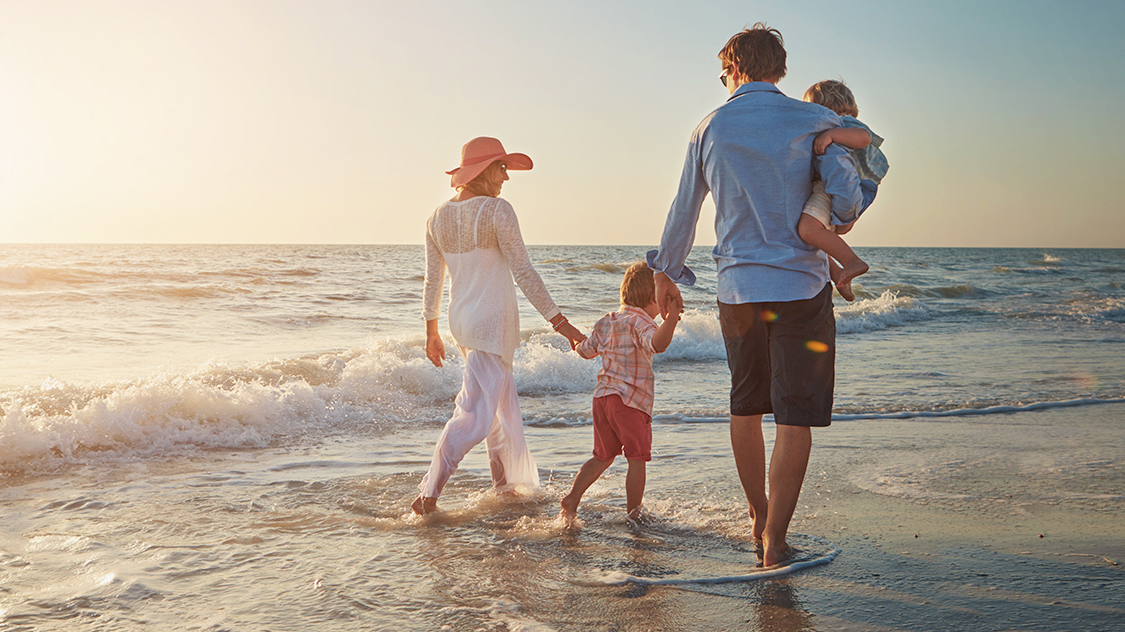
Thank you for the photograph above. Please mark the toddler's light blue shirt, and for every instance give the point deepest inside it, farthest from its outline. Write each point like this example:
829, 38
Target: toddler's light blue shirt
870, 162
754, 156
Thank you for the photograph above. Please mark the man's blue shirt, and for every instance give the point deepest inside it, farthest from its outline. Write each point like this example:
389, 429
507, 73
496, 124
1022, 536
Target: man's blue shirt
754, 156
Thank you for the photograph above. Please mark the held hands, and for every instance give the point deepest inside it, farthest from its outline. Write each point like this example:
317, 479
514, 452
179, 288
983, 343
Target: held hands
560, 324
674, 314
663, 336
572, 334
668, 297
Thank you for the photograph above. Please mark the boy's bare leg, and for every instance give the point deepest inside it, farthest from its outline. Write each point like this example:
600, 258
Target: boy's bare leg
634, 486
787, 473
586, 476
750, 457
423, 505
813, 233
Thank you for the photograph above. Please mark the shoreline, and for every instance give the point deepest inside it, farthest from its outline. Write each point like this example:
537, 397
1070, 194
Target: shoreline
943, 561
325, 527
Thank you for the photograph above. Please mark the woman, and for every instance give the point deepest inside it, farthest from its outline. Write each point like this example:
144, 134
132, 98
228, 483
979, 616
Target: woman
477, 237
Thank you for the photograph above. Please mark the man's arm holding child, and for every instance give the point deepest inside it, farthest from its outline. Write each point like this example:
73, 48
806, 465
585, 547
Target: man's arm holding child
663, 336
841, 181
850, 137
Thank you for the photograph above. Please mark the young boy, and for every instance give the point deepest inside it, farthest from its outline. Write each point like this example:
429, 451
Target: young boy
626, 340
815, 226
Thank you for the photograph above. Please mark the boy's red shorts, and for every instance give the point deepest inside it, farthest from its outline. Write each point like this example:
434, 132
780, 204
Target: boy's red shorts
619, 428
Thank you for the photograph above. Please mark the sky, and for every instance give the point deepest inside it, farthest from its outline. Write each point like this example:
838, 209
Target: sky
333, 121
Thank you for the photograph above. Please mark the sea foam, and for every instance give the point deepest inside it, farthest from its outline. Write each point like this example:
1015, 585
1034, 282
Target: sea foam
18, 275
888, 310
219, 406
698, 338
1111, 309
256, 405
61, 422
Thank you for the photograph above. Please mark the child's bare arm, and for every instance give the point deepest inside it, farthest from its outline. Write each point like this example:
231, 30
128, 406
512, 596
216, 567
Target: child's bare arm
850, 137
663, 336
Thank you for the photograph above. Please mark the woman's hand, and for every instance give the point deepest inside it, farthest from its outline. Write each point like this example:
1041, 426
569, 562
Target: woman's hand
561, 325
572, 334
435, 348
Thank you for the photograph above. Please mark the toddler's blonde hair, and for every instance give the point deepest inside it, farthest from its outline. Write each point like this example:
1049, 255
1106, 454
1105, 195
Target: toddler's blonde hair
833, 95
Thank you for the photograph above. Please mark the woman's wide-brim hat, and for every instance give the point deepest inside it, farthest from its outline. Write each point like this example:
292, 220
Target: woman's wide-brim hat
480, 152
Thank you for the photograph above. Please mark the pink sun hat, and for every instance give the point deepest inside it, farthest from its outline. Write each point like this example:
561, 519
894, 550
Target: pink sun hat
480, 152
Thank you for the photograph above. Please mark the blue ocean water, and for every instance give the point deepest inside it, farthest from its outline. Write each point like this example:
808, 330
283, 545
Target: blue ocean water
138, 349
229, 437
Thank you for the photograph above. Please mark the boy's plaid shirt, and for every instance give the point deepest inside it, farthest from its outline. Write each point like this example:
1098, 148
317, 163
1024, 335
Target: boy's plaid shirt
624, 341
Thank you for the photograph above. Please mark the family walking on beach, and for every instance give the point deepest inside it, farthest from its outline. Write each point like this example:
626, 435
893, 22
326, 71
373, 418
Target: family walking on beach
787, 178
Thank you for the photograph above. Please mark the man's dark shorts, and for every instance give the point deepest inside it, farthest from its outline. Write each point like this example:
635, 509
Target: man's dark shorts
782, 358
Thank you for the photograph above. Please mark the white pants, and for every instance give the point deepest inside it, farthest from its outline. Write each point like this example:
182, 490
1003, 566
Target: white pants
487, 409
819, 205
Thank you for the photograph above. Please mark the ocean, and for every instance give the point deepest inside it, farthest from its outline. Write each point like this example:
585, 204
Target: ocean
226, 437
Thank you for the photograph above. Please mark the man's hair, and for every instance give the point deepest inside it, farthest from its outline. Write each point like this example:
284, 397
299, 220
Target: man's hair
758, 53
833, 95
485, 182
637, 288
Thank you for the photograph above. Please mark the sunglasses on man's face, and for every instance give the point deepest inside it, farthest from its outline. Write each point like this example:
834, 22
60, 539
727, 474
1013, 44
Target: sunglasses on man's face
723, 79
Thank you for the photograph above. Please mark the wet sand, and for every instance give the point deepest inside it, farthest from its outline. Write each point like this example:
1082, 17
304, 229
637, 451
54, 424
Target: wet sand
998, 522
1004, 523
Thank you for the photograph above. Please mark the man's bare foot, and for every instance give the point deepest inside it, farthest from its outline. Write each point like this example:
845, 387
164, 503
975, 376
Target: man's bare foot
757, 526
756, 538
423, 505
772, 554
569, 512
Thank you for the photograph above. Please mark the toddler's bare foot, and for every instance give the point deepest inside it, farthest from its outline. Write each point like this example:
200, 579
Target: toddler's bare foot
569, 512
843, 278
852, 270
756, 542
568, 520
423, 505
638, 514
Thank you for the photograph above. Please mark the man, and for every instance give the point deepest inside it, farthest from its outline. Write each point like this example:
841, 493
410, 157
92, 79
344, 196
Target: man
754, 156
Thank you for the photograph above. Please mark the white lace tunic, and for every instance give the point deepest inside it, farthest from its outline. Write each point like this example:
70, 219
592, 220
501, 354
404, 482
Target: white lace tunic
479, 241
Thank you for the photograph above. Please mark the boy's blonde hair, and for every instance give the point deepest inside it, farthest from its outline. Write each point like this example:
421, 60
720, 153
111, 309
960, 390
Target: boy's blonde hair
637, 288
833, 95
